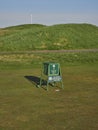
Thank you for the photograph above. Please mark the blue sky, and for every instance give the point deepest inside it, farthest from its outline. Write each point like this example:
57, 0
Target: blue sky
48, 12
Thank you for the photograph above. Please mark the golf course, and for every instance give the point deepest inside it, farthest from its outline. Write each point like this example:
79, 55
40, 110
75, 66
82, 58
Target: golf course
24, 105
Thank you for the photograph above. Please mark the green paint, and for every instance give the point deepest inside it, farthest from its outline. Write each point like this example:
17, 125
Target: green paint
53, 73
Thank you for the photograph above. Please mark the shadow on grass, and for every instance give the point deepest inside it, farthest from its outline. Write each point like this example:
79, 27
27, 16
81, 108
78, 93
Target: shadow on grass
36, 81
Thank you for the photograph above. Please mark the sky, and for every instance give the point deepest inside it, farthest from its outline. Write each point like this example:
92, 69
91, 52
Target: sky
48, 12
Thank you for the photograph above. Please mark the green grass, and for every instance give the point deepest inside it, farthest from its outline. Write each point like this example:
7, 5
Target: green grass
23, 106
20, 61
41, 37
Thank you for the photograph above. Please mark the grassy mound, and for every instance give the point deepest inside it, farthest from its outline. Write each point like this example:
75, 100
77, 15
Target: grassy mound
40, 37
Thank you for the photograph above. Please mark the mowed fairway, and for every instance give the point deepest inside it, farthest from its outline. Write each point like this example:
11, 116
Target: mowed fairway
23, 106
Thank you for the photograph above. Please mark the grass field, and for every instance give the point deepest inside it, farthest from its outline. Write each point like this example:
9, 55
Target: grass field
20, 61
23, 106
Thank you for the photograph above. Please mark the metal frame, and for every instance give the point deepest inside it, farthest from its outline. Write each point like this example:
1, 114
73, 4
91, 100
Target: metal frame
55, 77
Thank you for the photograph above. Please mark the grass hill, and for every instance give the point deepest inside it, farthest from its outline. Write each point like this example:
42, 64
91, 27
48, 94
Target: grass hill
40, 37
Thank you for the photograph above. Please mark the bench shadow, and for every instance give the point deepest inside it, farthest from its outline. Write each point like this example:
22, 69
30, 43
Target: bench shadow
36, 80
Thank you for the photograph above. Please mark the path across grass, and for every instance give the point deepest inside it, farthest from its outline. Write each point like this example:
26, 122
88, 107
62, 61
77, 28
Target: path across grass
51, 51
